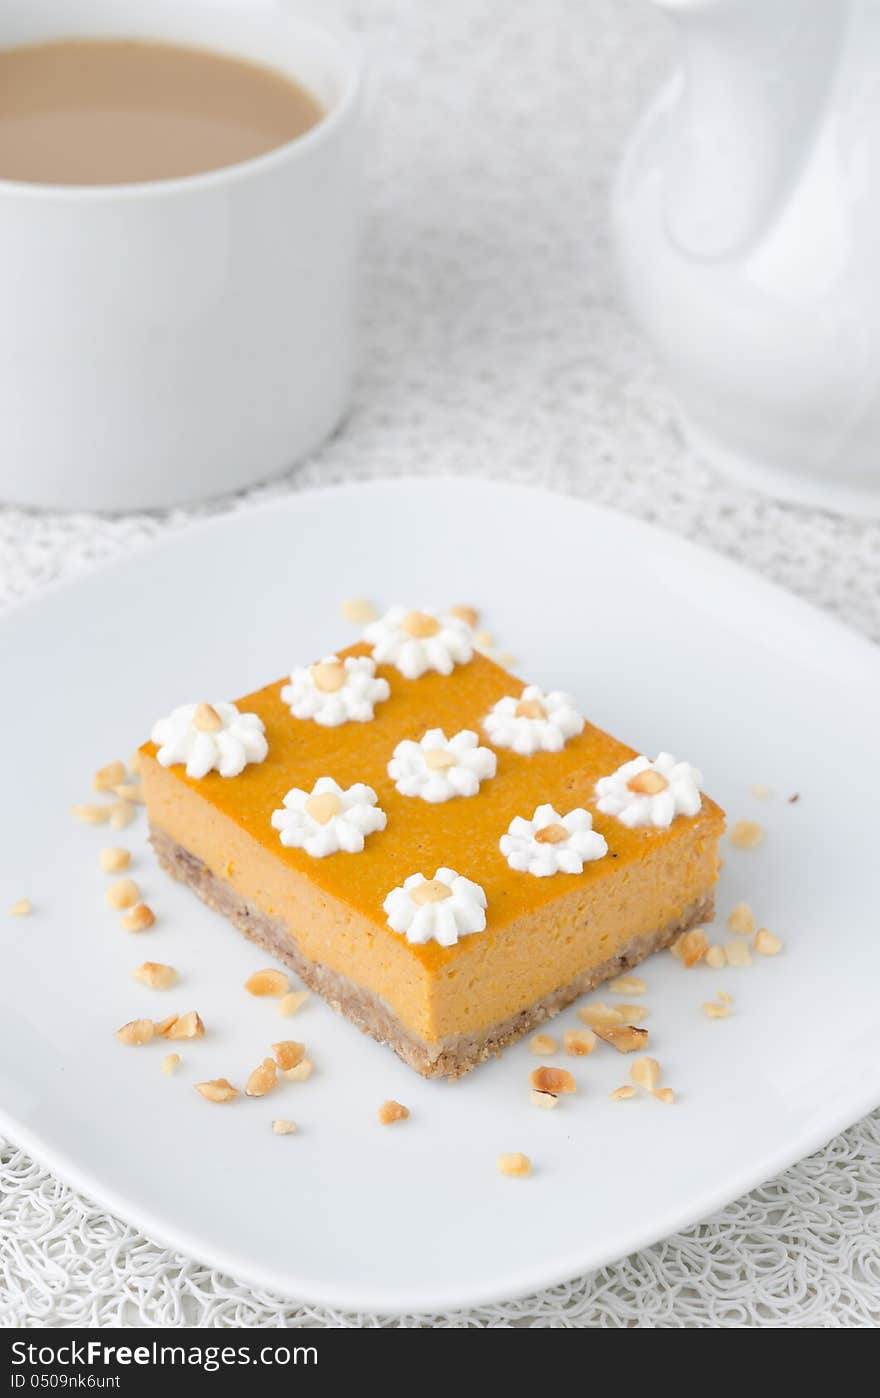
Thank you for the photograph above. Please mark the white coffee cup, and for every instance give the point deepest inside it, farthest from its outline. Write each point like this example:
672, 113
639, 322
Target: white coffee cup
169, 341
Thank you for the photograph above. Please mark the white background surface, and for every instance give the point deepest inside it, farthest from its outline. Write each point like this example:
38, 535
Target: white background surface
333, 1217
494, 343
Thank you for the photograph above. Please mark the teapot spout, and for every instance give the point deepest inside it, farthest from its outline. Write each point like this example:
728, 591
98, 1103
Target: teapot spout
754, 79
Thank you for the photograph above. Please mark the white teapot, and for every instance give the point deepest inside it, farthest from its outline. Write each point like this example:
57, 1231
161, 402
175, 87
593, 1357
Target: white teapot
747, 220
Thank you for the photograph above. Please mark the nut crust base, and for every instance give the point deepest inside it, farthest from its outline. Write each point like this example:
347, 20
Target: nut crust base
449, 1058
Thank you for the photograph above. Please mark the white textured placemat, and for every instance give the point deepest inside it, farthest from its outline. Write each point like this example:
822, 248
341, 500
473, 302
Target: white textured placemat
494, 343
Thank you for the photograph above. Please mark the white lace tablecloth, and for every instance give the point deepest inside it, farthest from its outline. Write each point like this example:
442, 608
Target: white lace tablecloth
494, 343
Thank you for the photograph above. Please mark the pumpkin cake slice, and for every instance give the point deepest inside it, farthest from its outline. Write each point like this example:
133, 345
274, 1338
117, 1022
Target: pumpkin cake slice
446, 856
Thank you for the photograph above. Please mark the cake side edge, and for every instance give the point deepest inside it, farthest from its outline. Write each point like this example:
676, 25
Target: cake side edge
450, 1058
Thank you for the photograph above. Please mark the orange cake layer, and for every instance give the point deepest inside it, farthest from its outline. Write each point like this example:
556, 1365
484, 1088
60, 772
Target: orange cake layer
541, 934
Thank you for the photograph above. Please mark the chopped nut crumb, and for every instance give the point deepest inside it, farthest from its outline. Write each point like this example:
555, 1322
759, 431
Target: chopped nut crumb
713, 1011
515, 1165
545, 1100
578, 1042
746, 834
691, 947
555, 1080
188, 1026
542, 1045
282, 1127
716, 957
392, 1111
138, 918
107, 777
633, 1014
762, 793
301, 1072
467, 614
323, 806
621, 1094
92, 815
551, 835
441, 759
156, 975
420, 625
484, 639
124, 893
129, 791
134, 762
742, 920
359, 610
530, 708
664, 1095
288, 1053
431, 891
645, 1072
170, 1063
113, 859
23, 908
218, 1090
269, 982
122, 813
628, 985
723, 996
137, 1031
292, 1001
206, 719
600, 1016
648, 783
626, 1038
766, 943
262, 1079
738, 954
505, 658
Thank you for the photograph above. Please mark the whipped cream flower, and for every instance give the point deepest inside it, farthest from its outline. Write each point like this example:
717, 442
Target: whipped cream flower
328, 819
536, 722
642, 792
552, 844
209, 736
436, 768
440, 909
336, 691
415, 642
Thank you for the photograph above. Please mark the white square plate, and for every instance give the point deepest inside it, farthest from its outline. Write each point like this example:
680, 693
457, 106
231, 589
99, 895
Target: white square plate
664, 644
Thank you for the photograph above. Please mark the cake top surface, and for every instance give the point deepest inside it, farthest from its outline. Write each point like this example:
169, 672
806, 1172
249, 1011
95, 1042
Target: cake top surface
420, 835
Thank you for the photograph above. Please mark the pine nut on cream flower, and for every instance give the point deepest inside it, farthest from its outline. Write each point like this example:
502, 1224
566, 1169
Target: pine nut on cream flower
552, 844
642, 792
440, 909
208, 737
329, 819
437, 768
417, 641
536, 722
334, 691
